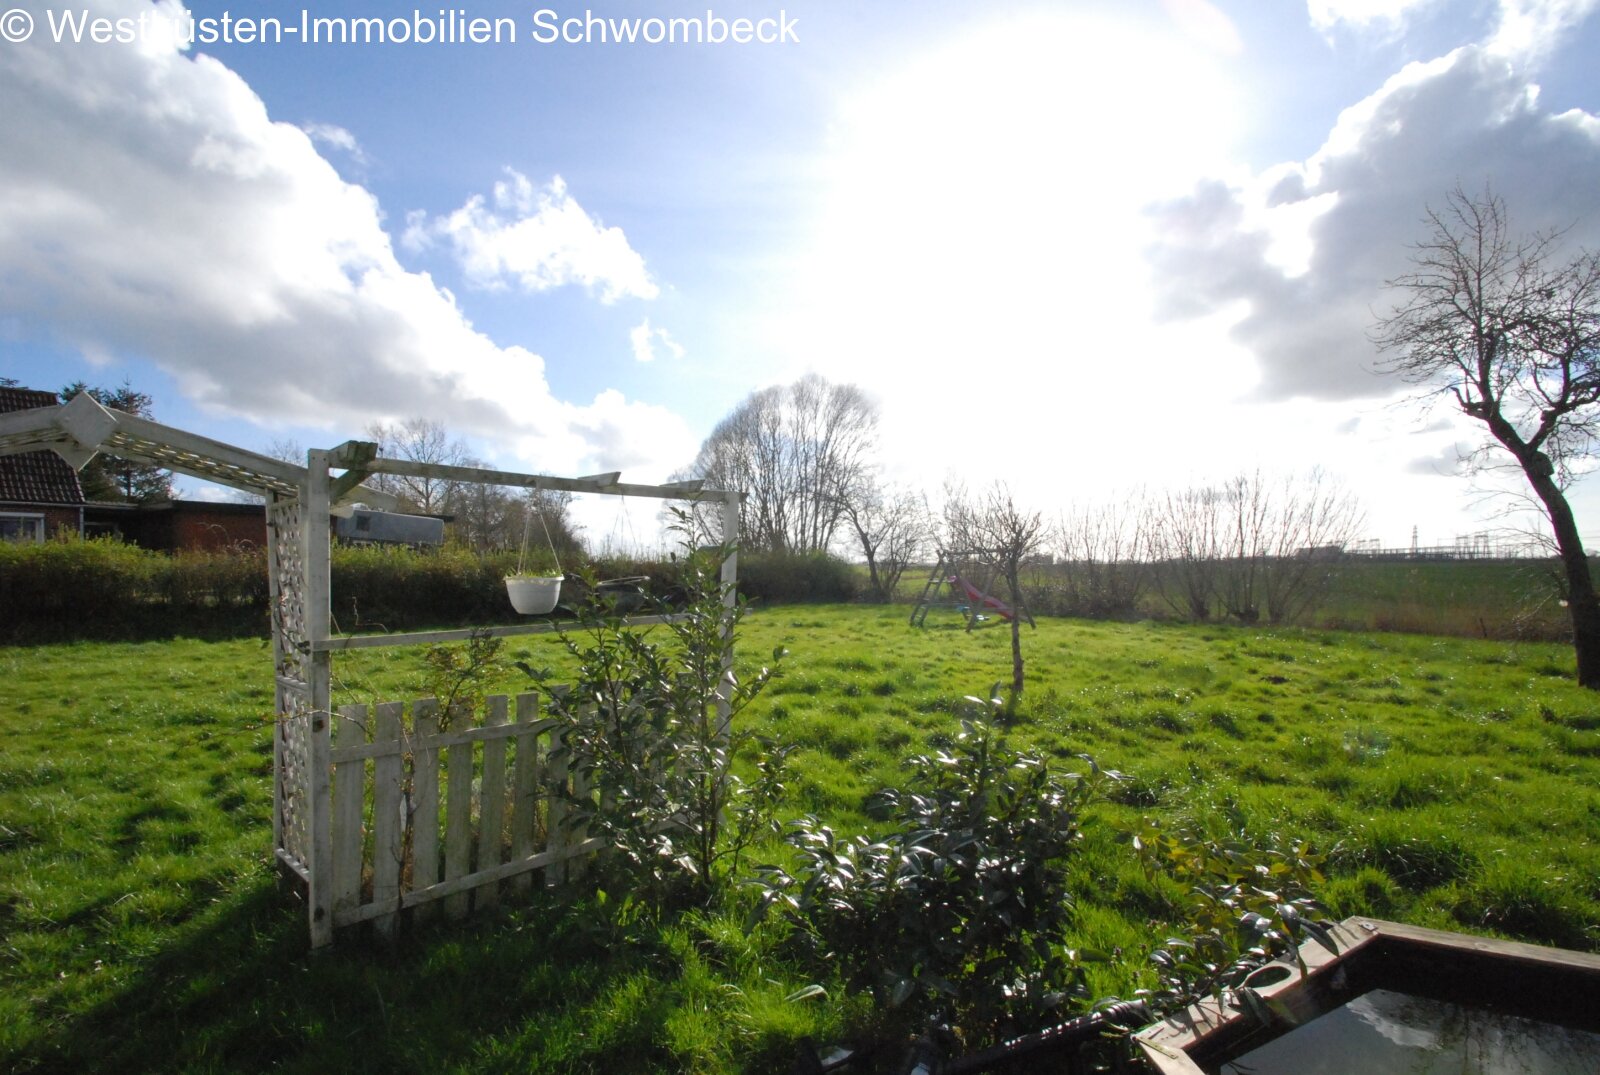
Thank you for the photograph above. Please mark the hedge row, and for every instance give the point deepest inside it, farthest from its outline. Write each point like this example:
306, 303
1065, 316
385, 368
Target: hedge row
102, 588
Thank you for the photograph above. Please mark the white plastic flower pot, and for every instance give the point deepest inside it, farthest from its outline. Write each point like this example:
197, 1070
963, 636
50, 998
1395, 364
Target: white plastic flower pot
533, 596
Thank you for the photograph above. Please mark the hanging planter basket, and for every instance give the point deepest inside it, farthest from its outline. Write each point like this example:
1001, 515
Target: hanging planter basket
533, 595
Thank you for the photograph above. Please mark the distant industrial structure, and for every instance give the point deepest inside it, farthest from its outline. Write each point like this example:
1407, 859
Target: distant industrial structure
1484, 545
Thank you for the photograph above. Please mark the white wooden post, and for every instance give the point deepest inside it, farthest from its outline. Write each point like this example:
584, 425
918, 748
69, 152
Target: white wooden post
280, 701
730, 598
315, 557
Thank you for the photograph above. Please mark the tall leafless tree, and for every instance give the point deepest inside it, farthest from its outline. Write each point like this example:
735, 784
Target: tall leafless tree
421, 440
1252, 547
1507, 328
994, 530
801, 453
1104, 556
892, 528
1313, 518
1187, 550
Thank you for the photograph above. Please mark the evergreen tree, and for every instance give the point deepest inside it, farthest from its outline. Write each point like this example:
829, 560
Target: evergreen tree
109, 478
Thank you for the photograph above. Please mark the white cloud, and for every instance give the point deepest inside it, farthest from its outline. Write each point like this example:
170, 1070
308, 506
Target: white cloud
1468, 118
153, 208
1526, 29
538, 236
645, 340
1532, 28
336, 137
1363, 15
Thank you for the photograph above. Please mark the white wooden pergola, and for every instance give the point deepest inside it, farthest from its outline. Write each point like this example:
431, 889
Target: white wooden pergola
299, 503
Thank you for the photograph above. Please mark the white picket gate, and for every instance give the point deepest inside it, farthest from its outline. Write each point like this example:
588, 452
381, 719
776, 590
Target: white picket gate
422, 814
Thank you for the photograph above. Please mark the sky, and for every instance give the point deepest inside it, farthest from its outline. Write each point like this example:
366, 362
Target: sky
1083, 248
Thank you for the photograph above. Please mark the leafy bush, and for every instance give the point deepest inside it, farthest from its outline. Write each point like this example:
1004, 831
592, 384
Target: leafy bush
194, 579
962, 907
1245, 904
782, 578
651, 739
74, 577
395, 586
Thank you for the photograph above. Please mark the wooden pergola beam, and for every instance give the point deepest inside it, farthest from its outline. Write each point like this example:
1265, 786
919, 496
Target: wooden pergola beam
598, 483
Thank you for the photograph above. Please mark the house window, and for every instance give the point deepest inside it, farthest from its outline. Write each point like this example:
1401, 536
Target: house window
15, 526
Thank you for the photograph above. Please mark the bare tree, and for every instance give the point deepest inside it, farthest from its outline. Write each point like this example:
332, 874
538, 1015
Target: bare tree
421, 440
1253, 547
494, 518
892, 528
1313, 519
1508, 329
1187, 548
800, 452
1002, 536
1104, 557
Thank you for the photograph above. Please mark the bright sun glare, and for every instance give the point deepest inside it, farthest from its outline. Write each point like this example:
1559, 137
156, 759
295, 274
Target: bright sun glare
983, 232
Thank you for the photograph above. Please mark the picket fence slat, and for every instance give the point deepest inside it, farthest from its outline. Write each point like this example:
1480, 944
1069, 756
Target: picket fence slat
349, 792
425, 799
556, 807
525, 789
491, 809
387, 831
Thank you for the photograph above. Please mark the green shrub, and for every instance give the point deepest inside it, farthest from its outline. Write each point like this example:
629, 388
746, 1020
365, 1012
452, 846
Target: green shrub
651, 733
781, 578
74, 577
1246, 902
961, 910
395, 586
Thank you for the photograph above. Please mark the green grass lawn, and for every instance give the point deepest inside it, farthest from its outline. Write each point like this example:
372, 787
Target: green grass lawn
1455, 783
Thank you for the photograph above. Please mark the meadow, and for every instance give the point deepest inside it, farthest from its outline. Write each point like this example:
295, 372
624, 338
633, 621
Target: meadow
1452, 782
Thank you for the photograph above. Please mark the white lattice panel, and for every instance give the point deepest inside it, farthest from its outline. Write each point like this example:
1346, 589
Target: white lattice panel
294, 777
289, 607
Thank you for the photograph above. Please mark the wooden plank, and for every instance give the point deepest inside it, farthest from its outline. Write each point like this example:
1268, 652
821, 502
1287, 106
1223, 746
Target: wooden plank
555, 773
349, 796
578, 830
467, 882
437, 741
491, 812
424, 799
388, 830
525, 787
340, 643
593, 484
458, 820
277, 769
315, 591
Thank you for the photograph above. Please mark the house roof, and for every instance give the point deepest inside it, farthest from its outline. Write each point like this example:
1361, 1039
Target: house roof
43, 477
